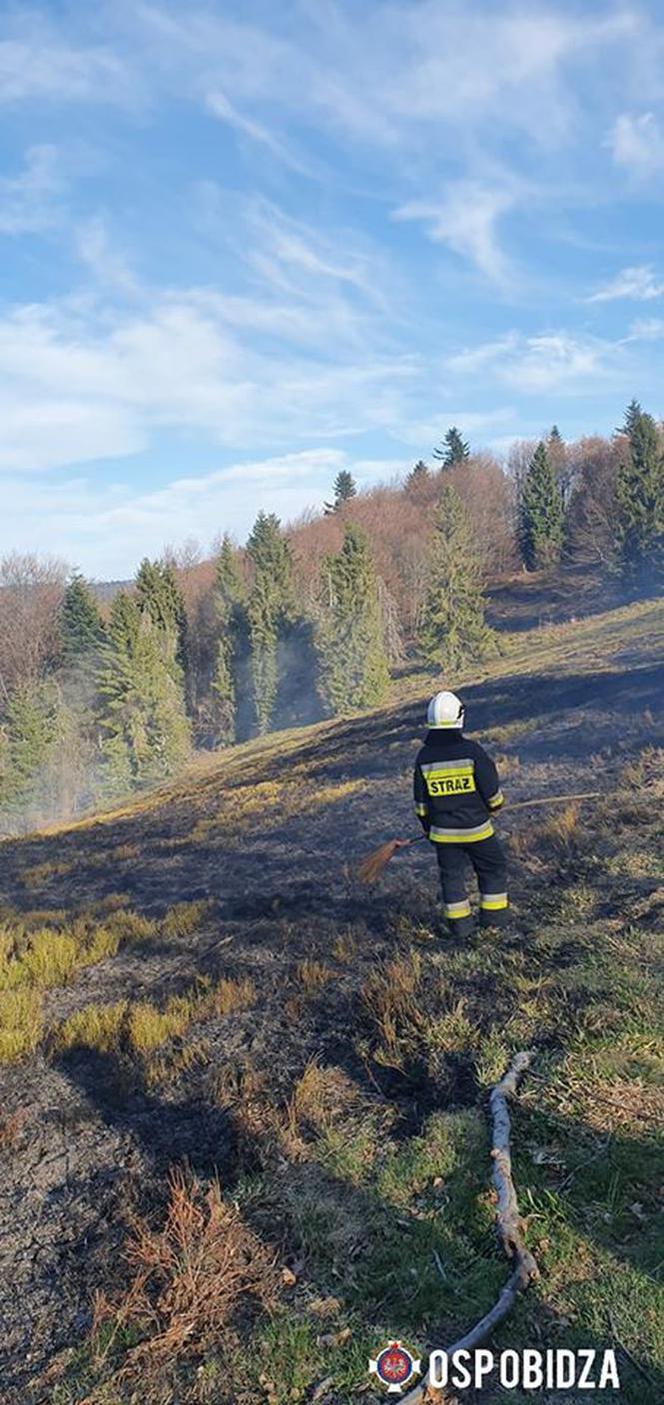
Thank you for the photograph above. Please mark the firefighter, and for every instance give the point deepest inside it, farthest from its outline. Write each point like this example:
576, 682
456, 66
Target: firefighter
456, 793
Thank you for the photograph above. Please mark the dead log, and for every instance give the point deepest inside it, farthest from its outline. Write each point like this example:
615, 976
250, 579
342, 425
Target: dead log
508, 1223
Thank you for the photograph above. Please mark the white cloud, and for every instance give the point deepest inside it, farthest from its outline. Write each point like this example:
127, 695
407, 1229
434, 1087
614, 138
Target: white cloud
478, 423
376, 74
106, 530
466, 219
474, 358
640, 283
179, 364
219, 105
646, 329
96, 250
39, 66
29, 201
556, 361
638, 143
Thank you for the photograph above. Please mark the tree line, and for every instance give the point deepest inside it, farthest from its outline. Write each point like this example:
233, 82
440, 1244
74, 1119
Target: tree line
98, 700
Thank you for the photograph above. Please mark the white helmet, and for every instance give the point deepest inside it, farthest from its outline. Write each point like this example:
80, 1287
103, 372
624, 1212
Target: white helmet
446, 710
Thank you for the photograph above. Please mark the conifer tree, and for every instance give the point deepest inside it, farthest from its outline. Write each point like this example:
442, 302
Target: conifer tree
417, 479
80, 622
541, 513
160, 597
229, 595
269, 607
453, 630
640, 497
453, 449
146, 735
30, 727
354, 670
633, 414
344, 489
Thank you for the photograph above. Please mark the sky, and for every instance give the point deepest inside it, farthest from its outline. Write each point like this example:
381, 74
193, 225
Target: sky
244, 245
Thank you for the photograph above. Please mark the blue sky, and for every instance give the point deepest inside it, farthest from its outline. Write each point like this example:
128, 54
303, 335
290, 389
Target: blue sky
245, 245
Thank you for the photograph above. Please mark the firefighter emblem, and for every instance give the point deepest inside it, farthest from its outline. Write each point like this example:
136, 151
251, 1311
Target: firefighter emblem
395, 1366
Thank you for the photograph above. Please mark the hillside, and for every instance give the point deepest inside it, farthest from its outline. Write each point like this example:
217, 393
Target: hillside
200, 982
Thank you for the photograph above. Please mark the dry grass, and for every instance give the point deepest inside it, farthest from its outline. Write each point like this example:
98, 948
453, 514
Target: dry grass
183, 918
40, 873
94, 1027
21, 1023
312, 975
47, 949
320, 1097
187, 1279
345, 947
389, 998
148, 1027
229, 995
141, 1026
453, 1031
562, 830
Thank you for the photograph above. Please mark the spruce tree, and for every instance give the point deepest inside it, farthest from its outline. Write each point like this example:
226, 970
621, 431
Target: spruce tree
633, 414
344, 489
453, 449
159, 596
30, 729
229, 594
146, 735
417, 479
453, 631
353, 666
270, 606
80, 622
541, 513
640, 498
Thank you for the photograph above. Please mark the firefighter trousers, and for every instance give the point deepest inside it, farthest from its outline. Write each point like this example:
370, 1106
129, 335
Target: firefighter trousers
487, 858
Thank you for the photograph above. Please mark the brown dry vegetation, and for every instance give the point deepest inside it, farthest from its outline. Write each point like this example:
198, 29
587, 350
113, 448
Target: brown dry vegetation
257, 1126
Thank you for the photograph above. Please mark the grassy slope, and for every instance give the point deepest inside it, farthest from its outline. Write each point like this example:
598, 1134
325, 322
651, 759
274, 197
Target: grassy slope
199, 980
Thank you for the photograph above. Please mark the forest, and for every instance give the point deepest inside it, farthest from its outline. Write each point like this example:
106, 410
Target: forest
108, 690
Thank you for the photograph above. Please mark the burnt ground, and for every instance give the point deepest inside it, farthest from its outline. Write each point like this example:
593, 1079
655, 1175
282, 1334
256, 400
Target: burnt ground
96, 1138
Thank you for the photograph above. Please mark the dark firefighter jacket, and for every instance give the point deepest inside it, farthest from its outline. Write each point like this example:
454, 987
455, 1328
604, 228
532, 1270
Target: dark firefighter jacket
456, 788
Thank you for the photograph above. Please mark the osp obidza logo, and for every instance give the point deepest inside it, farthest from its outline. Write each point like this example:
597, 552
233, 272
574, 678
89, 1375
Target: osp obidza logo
395, 1366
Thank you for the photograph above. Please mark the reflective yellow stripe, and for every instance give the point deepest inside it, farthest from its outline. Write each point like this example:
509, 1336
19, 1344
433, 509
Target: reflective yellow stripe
460, 836
457, 909
496, 800
420, 809
492, 903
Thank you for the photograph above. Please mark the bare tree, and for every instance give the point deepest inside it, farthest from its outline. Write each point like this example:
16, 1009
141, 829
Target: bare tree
31, 589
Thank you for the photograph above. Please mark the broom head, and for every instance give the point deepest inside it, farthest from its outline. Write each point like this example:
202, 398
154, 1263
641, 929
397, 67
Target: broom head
371, 867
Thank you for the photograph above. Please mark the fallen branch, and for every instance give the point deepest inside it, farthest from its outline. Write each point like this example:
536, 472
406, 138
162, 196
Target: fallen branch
508, 1222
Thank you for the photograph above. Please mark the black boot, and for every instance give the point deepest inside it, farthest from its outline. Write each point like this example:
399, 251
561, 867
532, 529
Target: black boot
499, 918
460, 926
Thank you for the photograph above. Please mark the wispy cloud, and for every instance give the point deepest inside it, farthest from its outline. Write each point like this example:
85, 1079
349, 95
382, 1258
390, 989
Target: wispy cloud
640, 284
550, 361
646, 329
637, 143
177, 363
220, 106
109, 529
466, 219
29, 202
96, 250
38, 64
